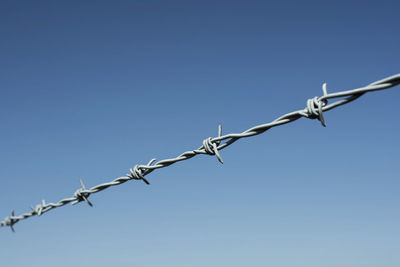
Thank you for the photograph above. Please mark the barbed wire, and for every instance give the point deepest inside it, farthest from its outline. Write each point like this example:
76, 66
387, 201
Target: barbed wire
315, 109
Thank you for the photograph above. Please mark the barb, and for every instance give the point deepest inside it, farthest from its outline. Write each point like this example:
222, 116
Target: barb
38, 210
315, 109
211, 147
82, 195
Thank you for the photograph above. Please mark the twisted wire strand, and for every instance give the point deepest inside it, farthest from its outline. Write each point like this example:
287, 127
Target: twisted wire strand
315, 109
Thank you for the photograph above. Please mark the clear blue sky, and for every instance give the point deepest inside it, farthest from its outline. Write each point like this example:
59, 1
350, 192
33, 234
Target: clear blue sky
88, 89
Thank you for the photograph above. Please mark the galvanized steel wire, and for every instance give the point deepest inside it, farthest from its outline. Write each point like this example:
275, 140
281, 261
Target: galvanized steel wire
315, 109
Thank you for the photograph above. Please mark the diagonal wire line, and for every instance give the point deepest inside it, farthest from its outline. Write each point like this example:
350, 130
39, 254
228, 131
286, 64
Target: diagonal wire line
315, 109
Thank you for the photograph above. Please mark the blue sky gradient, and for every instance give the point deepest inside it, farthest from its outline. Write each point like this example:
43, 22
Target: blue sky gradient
88, 89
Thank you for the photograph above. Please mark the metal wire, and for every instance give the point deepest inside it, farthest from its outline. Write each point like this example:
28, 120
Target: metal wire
315, 109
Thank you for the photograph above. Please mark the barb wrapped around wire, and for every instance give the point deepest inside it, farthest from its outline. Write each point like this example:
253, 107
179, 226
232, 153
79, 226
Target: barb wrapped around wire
315, 105
82, 195
137, 172
212, 147
38, 210
315, 109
